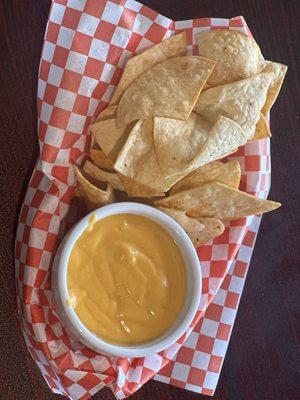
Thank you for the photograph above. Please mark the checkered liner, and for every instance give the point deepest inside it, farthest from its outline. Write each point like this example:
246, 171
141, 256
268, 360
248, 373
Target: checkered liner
86, 46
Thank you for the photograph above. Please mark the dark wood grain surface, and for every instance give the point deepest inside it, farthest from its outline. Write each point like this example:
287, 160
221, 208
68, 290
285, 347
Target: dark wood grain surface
262, 359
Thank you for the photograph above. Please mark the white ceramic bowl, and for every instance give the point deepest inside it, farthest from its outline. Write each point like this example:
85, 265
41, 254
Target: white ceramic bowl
194, 283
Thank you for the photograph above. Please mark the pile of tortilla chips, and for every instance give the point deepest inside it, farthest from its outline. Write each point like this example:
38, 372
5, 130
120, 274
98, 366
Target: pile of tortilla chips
171, 118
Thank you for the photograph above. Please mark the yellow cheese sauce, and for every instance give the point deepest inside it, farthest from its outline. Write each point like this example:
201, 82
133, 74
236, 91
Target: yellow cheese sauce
126, 279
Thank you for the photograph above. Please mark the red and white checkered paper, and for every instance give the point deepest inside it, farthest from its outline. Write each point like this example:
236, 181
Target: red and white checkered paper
86, 45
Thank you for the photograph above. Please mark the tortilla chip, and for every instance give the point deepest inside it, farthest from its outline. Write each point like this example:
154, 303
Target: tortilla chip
224, 138
238, 55
132, 188
190, 225
109, 112
187, 223
174, 46
94, 144
110, 138
279, 71
262, 129
241, 101
213, 227
199, 230
100, 159
137, 189
217, 200
209, 167
92, 195
137, 160
182, 146
168, 89
177, 142
100, 175
229, 174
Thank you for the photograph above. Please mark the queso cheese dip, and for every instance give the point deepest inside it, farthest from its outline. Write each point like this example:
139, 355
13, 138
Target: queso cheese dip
126, 279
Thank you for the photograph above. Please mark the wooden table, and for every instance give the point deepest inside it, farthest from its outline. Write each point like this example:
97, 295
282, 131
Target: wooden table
261, 360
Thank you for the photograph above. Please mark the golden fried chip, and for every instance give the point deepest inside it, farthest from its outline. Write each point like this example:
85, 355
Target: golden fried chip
199, 230
213, 227
192, 227
168, 89
109, 137
217, 200
279, 71
262, 129
137, 160
187, 223
241, 101
238, 55
93, 196
100, 159
177, 142
94, 144
182, 146
229, 174
100, 175
210, 166
224, 138
109, 112
137, 189
174, 46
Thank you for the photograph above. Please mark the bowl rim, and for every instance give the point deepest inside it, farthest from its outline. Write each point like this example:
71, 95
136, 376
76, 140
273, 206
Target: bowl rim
162, 342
